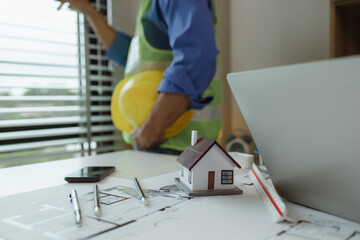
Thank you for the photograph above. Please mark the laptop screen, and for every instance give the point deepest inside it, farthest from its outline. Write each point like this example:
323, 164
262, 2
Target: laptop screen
304, 119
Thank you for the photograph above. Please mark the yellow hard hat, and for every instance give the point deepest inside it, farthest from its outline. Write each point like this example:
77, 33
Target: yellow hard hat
133, 100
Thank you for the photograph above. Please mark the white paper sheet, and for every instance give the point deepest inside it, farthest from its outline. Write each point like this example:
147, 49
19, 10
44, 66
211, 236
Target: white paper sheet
47, 214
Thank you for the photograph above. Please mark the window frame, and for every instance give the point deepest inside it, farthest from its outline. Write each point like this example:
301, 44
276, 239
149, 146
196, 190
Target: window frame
225, 177
190, 176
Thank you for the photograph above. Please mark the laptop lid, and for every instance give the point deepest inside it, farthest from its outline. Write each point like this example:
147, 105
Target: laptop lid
305, 121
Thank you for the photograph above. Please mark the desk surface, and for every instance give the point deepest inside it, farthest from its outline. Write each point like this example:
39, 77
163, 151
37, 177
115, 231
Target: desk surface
129, 164
242, 217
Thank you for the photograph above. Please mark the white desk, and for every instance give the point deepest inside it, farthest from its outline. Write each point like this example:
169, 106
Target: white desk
129, 164
221, 217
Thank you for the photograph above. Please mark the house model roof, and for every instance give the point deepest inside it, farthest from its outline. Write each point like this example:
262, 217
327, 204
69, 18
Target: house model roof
193, 154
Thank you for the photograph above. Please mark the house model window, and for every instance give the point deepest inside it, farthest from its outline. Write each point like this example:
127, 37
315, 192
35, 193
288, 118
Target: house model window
227, 176
189, 177
210, 169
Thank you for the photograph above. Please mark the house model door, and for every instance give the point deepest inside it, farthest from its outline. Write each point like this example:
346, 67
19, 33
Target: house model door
211, 180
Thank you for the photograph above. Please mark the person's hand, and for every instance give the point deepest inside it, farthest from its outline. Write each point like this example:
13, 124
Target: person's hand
166, 110
80, 6
144, 138
98, 23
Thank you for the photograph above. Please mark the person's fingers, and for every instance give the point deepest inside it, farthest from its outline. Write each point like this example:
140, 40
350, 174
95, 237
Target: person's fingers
61, 4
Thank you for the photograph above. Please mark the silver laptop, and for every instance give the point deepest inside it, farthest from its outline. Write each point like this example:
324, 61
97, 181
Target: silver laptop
305, 121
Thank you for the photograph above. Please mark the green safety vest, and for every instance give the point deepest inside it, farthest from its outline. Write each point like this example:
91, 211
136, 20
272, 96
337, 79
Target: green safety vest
143, 57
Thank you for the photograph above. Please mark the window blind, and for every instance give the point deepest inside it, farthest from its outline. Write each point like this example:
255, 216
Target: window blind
55, 85
101, 81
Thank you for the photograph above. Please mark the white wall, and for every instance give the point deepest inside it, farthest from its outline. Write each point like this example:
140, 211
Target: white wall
124, 15
266, 33
214, 160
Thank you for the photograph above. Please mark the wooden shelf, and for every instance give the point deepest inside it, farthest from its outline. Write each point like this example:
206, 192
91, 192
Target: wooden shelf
345, 28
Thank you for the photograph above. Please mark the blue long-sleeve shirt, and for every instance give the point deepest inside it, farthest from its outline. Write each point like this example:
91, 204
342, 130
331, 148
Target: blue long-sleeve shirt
186, 28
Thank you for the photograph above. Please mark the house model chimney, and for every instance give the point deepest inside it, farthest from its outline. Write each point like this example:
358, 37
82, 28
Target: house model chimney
193, 137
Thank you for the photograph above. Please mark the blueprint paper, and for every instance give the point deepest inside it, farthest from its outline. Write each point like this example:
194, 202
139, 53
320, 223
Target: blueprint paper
48, 213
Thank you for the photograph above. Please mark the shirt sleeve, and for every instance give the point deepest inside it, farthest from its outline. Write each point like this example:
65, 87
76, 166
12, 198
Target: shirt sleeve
119, 49
189, 24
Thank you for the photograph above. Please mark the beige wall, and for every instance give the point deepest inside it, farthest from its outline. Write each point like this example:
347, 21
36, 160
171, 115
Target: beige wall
124, 15
266, 33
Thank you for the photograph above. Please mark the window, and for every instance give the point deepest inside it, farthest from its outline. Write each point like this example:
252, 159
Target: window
190, 175
55, 85
182, 170
227, 176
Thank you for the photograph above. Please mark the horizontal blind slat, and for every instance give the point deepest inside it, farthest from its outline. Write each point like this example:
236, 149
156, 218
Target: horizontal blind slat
101, 98
107, 138
12, 20
43, 109
99, 68
103, 128
42, 133
97, 47
101, 88
39, 76
39, 157
31, 39
41, 121
39, 64
52, 121
40, 144
41, 98
40, 52
38, 69
110, 148
101, 78
55, 109
37, 34
29, 87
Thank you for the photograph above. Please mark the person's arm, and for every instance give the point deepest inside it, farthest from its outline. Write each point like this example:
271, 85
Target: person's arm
167, 109
189, 24
190, 27
98, 23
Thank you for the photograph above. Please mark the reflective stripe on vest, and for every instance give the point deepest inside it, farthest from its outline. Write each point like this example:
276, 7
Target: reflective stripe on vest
142, 57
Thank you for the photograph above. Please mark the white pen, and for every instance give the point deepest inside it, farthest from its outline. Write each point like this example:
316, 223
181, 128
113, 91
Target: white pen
97, 209
140, 192
75, 202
